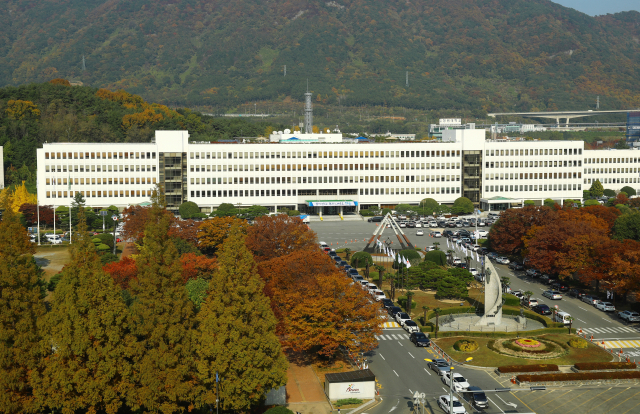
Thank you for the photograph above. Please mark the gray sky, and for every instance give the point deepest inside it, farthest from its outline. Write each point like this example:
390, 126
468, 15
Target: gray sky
596, 7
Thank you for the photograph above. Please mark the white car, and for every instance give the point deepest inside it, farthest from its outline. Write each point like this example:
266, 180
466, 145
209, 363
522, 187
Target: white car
411, 326
419, 233
457, 261
403, 225
483, 233
378, 295
476, 247
552, 294
606, 307
502, 260
418, 225
530, 303
458, 408
402, 317
473, 271
459, 382
435, 234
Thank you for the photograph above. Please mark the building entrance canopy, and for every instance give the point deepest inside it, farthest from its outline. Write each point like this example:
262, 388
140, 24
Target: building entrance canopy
331, 203
498, 203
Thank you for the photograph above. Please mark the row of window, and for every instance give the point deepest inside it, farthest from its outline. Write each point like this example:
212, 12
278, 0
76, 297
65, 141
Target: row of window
325, 167
99, 155
292, 193
322, 154
98, 168
532, 176
611, 180
533, 187
99, 194
530, 152
533, 164
610, 160
611, 170
100, 181
323, 180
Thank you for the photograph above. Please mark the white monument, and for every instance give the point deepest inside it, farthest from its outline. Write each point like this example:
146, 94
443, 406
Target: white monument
492, 296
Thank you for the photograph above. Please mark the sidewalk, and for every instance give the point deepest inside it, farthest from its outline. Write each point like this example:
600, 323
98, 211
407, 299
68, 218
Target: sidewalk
304, 391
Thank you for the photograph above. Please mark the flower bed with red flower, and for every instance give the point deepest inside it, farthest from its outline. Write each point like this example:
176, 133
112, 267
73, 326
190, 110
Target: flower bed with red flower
528, 343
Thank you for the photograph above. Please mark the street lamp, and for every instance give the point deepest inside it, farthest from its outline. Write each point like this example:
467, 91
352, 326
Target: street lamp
115, 226
450, 383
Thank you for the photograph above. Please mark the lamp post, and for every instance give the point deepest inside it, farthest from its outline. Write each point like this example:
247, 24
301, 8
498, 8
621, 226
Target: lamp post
450, 383
115, 226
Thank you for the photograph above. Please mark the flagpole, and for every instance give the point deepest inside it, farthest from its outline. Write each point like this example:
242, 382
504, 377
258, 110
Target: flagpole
38, 212
70, 203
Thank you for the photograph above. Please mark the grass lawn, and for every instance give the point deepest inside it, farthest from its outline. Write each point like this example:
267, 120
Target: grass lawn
484, 357
52, 259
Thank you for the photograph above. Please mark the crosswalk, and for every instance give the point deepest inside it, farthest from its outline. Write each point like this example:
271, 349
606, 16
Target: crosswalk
622, 344
392, 337
615, 329
387, 325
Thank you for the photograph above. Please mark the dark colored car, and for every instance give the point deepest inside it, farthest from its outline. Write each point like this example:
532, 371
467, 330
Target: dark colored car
420, 339
333, 254
411, 225
463, 233
577, 293
542, 309
387, 303
393, 310
353, 272
342, 263
516, 266
560, 287
347, 268
447, 233
375, 219
337, 258
476, 397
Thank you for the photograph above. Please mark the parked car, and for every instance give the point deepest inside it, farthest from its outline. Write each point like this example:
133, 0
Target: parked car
418, 225
456, 261
393, 310
530, 303
376, 219
419, 233
483, 233
435, 234
532, 273
576, 293
473, 271
560, 287
411, 326
440, 366
629, 316
353, 272
387, 303
606, 307
516, 266
552, 294
502, 260
402, 317
420, 339
542, 309
460, 383
477, 397
591, 300
447, 233
518, 294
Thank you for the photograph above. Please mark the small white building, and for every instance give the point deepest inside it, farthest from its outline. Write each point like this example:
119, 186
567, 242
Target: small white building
355, 384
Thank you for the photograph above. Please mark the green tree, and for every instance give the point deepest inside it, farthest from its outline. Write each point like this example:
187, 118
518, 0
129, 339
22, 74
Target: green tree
529, 203
163, 322
225, 210
188, 209
629, 191
429, 205
197, 291
347, 252
363, 258
451, 287
586, 194
589, 203
548, 202
462, 205
627, 227
436, 256
403, 208
254, 211
21, 306
596, 190
385, 211
88, 328
237, 332
609, 193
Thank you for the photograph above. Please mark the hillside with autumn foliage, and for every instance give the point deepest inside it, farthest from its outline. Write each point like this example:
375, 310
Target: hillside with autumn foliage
479, 55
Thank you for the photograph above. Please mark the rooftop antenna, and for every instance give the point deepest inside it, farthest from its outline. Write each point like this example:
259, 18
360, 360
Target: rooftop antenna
308, 112
83, 65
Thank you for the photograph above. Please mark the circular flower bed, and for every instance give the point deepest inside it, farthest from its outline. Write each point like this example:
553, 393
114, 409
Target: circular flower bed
528, 343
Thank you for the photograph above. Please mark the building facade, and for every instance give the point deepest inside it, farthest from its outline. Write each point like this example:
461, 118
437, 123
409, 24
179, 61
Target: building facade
328, 177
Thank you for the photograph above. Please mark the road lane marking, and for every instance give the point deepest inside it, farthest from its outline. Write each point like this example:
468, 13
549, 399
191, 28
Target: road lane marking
382, 357
427, 371
400, 343
410, 392
496, 405
397, 403
394, 371
411, 355
581, 320
394, 337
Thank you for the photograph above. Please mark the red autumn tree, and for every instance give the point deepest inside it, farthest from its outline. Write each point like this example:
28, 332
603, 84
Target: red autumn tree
507, 234
276, 236
212, 233
186, 230
195, 266
625, 269
122, 272
30, 213
608, 214
621, 199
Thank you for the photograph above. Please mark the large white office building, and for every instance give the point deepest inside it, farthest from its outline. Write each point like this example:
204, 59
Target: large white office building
327, 175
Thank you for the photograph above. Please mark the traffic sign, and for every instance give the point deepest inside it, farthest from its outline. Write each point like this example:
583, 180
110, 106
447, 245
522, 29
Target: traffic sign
114, 218
556, 306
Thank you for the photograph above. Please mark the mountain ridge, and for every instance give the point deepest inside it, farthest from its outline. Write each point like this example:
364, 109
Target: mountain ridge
474, 55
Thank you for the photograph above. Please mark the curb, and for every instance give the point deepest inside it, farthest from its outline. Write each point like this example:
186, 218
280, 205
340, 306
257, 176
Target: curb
365, 405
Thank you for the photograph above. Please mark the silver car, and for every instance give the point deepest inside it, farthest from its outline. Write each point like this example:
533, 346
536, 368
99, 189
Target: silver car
440, 366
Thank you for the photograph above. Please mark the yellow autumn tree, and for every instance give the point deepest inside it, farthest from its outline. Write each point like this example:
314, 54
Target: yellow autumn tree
17, 198
18, 109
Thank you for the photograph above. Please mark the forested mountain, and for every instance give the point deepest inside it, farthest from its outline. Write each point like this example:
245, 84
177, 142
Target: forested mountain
482, 55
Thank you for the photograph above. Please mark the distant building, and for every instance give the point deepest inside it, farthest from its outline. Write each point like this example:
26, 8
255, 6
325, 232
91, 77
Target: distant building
633, 129
514, 128
447, 124
399, 137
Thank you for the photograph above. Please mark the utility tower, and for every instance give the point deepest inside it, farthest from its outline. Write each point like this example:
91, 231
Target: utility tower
308, 112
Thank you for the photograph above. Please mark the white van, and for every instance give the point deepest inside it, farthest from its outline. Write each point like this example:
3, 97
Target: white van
53, 238
562, 317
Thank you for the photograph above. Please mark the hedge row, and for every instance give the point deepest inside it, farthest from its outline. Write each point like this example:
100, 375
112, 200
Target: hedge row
511, 300
591, 366
547, 322
528, 368
498, 334
579, 376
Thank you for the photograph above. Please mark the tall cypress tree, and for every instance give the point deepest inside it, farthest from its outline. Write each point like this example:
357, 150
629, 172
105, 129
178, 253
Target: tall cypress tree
236, 334
21, 306
87, 331
163, 324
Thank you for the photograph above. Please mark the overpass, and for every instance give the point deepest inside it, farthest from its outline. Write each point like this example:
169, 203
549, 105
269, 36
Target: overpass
557, 115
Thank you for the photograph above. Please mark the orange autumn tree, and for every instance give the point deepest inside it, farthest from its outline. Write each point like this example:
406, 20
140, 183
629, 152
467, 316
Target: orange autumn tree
122, 272
317, 307
213, 232
275, 236
197, 266
625, 269
507, 235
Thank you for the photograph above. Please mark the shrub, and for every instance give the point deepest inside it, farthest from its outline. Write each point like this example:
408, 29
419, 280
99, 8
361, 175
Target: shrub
410, 254
188, 209
108, 257
278, 410
528, 368
105, 238
511, 300
96, 241
578, 343
293, 212
629, 190
529, 203
102, 247
340, 250
609, 193
367, 213
579, 376
347, 401
362, 258
545, 331
53, 282
436, 256
591, 366
402, 301
466, 345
